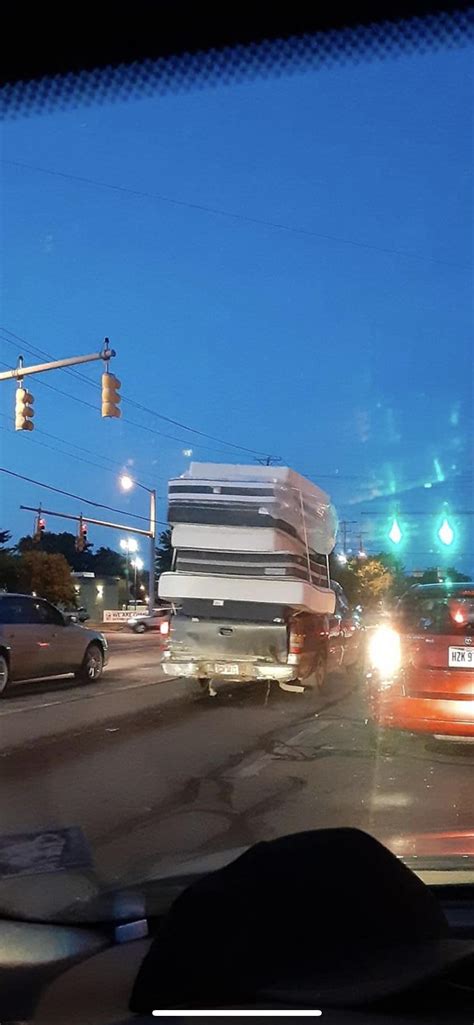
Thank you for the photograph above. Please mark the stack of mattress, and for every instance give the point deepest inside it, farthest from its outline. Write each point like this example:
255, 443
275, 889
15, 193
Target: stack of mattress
250, 534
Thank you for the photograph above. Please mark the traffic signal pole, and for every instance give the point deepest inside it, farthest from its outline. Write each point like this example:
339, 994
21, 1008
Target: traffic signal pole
86, 519
151, 582
24, 401
58, 364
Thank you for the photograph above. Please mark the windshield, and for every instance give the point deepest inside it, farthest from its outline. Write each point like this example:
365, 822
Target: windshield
258, 285
439, 615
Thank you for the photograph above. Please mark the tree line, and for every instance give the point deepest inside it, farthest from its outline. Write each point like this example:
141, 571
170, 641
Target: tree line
45, 567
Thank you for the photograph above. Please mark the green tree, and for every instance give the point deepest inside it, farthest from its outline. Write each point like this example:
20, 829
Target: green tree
63, 543
9, 570
397, 570
164, 552
108, 563
374, 582
5, 537
48, 575
344, 574
366, 581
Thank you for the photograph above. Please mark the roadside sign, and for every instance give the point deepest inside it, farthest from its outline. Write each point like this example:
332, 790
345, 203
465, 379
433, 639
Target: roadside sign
116, 615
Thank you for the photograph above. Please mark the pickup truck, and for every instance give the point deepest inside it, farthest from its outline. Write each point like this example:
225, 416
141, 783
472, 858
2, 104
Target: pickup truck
214, 645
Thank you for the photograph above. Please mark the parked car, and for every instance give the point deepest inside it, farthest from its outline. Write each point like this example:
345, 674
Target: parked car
421, 665
76, 615
158, 620
37, 641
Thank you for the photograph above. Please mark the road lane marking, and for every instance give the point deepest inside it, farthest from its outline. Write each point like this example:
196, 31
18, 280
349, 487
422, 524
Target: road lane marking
87, 697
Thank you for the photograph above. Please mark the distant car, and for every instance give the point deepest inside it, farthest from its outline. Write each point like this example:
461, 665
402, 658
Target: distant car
158, 620
37, 641
421, 664
76, 615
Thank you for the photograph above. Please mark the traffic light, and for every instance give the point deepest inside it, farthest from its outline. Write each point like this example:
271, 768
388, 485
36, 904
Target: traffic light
24, 411
110, 395
81, 539
446, 532
40, 527
395, 533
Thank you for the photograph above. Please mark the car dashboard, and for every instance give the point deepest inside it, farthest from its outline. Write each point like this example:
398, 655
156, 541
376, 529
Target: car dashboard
60, 975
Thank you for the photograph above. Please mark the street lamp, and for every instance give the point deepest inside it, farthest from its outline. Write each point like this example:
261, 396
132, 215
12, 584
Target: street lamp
127, 483
137, 564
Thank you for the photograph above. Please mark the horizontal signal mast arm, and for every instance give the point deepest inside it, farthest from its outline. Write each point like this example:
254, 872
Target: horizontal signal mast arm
88, 519
40, 368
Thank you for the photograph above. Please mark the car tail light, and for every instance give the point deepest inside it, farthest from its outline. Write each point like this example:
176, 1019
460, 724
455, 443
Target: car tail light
384, 651
164, 628
295, 646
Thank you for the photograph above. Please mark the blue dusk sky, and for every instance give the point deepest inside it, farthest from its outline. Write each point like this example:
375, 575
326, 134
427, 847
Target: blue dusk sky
283, 264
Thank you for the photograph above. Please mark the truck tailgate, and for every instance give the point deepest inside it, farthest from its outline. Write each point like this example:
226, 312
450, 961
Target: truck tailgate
222, 639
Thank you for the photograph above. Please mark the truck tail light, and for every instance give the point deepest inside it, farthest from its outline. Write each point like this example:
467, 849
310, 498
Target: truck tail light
295, 646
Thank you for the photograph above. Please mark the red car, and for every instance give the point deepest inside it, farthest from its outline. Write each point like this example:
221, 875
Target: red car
421, 665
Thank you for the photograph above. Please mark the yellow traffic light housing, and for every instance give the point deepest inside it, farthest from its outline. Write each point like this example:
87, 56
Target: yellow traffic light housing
110, 395
24, 411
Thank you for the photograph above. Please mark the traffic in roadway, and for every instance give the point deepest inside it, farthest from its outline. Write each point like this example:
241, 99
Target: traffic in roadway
155, 772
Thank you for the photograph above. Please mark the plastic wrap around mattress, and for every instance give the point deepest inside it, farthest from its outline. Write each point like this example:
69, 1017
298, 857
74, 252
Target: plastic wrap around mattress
273, 498
285, 565
234, 539
297, 594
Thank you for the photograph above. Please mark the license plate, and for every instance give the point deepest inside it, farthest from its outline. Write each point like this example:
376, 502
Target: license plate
226, 669
461, 657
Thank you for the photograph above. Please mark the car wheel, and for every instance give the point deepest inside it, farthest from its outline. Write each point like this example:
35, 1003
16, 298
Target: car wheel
207, 688
92, 666
4, 674
139, 628
316, 680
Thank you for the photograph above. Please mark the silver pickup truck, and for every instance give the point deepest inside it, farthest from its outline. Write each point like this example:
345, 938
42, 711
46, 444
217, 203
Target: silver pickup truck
284, 646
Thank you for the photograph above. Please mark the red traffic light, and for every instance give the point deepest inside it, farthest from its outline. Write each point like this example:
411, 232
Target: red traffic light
81, 539
40, 526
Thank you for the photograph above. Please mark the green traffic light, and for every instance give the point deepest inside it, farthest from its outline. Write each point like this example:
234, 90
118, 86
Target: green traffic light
446, 532
395, 533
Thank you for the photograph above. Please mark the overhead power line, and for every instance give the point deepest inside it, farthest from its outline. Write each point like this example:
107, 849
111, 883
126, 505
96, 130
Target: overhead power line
69, 455
78, 498
124, 419
139, 405
262, 222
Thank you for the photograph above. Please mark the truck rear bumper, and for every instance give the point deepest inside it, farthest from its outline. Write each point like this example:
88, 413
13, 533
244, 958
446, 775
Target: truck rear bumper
237, 672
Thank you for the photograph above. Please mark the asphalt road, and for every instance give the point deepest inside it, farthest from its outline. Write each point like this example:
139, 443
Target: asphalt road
155, 773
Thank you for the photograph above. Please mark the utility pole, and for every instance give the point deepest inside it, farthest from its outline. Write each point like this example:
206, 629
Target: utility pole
344, 524
269, 460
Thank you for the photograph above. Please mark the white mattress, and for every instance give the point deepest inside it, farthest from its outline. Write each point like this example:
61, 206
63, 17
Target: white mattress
254, 504
234, 539
297, 594
265, 474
